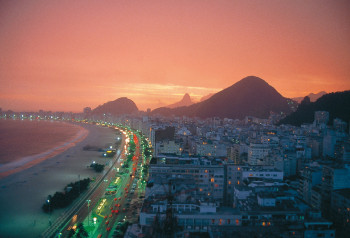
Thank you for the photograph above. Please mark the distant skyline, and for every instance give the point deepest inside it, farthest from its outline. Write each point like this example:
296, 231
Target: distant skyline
67, 55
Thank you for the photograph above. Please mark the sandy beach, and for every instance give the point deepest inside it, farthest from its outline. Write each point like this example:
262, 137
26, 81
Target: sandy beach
29, 161
23, 193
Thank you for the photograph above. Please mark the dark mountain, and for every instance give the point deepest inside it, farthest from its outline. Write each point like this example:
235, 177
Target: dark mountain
251, 96
117, 107
206, 97
337, 104
313, 97
185, 101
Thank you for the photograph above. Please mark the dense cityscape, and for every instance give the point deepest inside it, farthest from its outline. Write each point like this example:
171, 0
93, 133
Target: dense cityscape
175, 119
223, 177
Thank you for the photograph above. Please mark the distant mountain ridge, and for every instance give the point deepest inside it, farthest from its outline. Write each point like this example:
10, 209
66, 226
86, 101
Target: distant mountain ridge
251, 96
313, 97
117, 107
185, 101
206, 97
337, 104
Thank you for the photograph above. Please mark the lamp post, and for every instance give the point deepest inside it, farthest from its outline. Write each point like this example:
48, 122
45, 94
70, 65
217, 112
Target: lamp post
88, 201
48, 202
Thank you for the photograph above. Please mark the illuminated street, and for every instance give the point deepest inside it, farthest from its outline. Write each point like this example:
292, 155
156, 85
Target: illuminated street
115, 198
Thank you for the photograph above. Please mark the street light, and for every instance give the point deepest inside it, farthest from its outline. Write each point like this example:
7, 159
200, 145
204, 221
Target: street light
88, 201
48, 201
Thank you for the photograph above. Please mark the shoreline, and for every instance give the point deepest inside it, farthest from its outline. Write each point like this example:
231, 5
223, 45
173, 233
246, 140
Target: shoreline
29, 161
22, 194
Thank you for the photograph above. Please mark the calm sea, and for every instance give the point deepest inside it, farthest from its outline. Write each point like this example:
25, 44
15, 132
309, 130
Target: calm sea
19, 139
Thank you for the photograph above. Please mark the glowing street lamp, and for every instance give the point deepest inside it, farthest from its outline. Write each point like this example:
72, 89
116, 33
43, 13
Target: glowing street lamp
48, 202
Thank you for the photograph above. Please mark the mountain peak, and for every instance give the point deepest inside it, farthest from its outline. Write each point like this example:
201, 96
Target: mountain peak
251, 96
185, 101
186, 97
313, 97
249, 80
252, 78
119, 106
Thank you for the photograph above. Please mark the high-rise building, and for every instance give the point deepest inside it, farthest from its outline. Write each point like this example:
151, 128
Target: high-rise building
340, 211
321, 118
257, 153
333, 178
310, 176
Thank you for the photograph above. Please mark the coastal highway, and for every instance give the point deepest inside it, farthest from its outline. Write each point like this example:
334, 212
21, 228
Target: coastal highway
120, 202
79, 210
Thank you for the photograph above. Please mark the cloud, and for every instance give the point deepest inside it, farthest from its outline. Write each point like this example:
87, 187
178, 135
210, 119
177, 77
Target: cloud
154, 95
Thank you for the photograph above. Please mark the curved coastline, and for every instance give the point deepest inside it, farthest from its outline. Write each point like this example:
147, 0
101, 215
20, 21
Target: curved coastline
29, 161
23, 193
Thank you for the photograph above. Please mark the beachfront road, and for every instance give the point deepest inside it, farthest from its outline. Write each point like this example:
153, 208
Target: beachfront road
123, 201
79, 211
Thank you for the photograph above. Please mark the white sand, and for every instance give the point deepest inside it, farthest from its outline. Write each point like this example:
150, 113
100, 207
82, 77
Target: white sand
22, 194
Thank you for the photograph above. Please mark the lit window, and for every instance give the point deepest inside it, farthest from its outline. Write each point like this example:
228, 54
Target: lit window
212, 180
263, 223
238, 182
229, 182
220, 222
237, 222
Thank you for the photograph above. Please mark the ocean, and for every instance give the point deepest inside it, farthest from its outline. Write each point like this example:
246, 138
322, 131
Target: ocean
23, 138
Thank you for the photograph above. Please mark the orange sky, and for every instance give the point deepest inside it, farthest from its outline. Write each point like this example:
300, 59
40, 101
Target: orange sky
65, 55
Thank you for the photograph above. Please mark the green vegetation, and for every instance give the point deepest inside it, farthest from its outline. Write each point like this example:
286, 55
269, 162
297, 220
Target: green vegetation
81, 232
64, 199
91, 148
97, 167
337, 104
145, 169
71, 233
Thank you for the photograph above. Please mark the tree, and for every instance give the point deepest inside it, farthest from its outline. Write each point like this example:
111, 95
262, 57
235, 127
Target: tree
82, 233
71, 233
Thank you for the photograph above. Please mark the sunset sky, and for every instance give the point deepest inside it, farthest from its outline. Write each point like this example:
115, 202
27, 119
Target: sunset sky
66, 55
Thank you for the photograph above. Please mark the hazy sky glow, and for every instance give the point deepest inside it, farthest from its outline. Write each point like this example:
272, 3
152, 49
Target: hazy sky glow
65, 55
